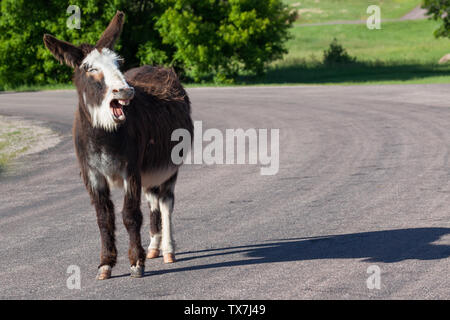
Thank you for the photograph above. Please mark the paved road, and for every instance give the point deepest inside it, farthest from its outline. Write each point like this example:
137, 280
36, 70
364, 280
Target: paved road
364, 181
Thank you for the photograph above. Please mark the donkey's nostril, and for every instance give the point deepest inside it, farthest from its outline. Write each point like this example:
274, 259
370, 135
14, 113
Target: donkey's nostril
125, 93
128, 92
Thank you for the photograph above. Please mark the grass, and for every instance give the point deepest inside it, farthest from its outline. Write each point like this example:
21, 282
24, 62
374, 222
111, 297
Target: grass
395, 41
356, 73
24, 88
401, 52
4, 158
8, 139
317, 11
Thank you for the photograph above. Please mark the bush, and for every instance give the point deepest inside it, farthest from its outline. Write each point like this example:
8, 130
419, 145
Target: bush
23, 57
336, 54
439, 10
222, 37
199, 38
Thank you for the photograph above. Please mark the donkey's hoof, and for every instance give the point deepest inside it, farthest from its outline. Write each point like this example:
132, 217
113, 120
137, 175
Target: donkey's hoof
169, 258
137, 271
104, 272
152, 254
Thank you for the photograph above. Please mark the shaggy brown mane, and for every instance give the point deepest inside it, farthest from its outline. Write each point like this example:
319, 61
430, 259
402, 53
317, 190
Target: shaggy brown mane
163, 83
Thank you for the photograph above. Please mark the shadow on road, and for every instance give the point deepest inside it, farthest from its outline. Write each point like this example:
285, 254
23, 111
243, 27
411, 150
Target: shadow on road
379, 246
358, 72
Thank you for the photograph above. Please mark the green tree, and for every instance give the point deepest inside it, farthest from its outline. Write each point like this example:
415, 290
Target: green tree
199, 38
23, 57
221, 37
439, 10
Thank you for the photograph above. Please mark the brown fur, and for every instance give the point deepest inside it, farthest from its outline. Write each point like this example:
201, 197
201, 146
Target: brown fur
142, 144
112, 32
160, 82
64, 51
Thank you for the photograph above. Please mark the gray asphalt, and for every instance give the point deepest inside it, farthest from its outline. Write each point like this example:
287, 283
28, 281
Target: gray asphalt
364, 181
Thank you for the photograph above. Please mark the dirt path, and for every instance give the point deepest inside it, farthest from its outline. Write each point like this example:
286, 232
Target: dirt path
416, 14
21, 137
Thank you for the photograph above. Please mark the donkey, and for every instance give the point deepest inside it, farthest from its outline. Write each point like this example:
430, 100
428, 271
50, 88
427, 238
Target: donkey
122, 135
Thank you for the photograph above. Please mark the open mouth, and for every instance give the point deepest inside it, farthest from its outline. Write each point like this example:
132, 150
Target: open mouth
117, 109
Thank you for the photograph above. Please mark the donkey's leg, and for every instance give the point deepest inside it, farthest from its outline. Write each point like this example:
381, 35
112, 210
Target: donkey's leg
152, 196
100, 196
132, 219
166, 203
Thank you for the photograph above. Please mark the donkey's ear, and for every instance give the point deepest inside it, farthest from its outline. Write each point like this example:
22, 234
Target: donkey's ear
112, 32
64, 51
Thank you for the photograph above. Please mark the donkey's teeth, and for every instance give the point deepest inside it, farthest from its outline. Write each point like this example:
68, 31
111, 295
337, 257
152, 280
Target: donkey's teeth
124, 102
118, 112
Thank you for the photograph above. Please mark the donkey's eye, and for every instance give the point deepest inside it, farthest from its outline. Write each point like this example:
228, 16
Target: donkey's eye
120, 61
92, 70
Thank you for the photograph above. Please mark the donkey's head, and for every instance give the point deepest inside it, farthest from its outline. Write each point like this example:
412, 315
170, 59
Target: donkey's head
101, 86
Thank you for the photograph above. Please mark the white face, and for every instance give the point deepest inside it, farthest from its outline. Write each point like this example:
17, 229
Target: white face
103, 67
